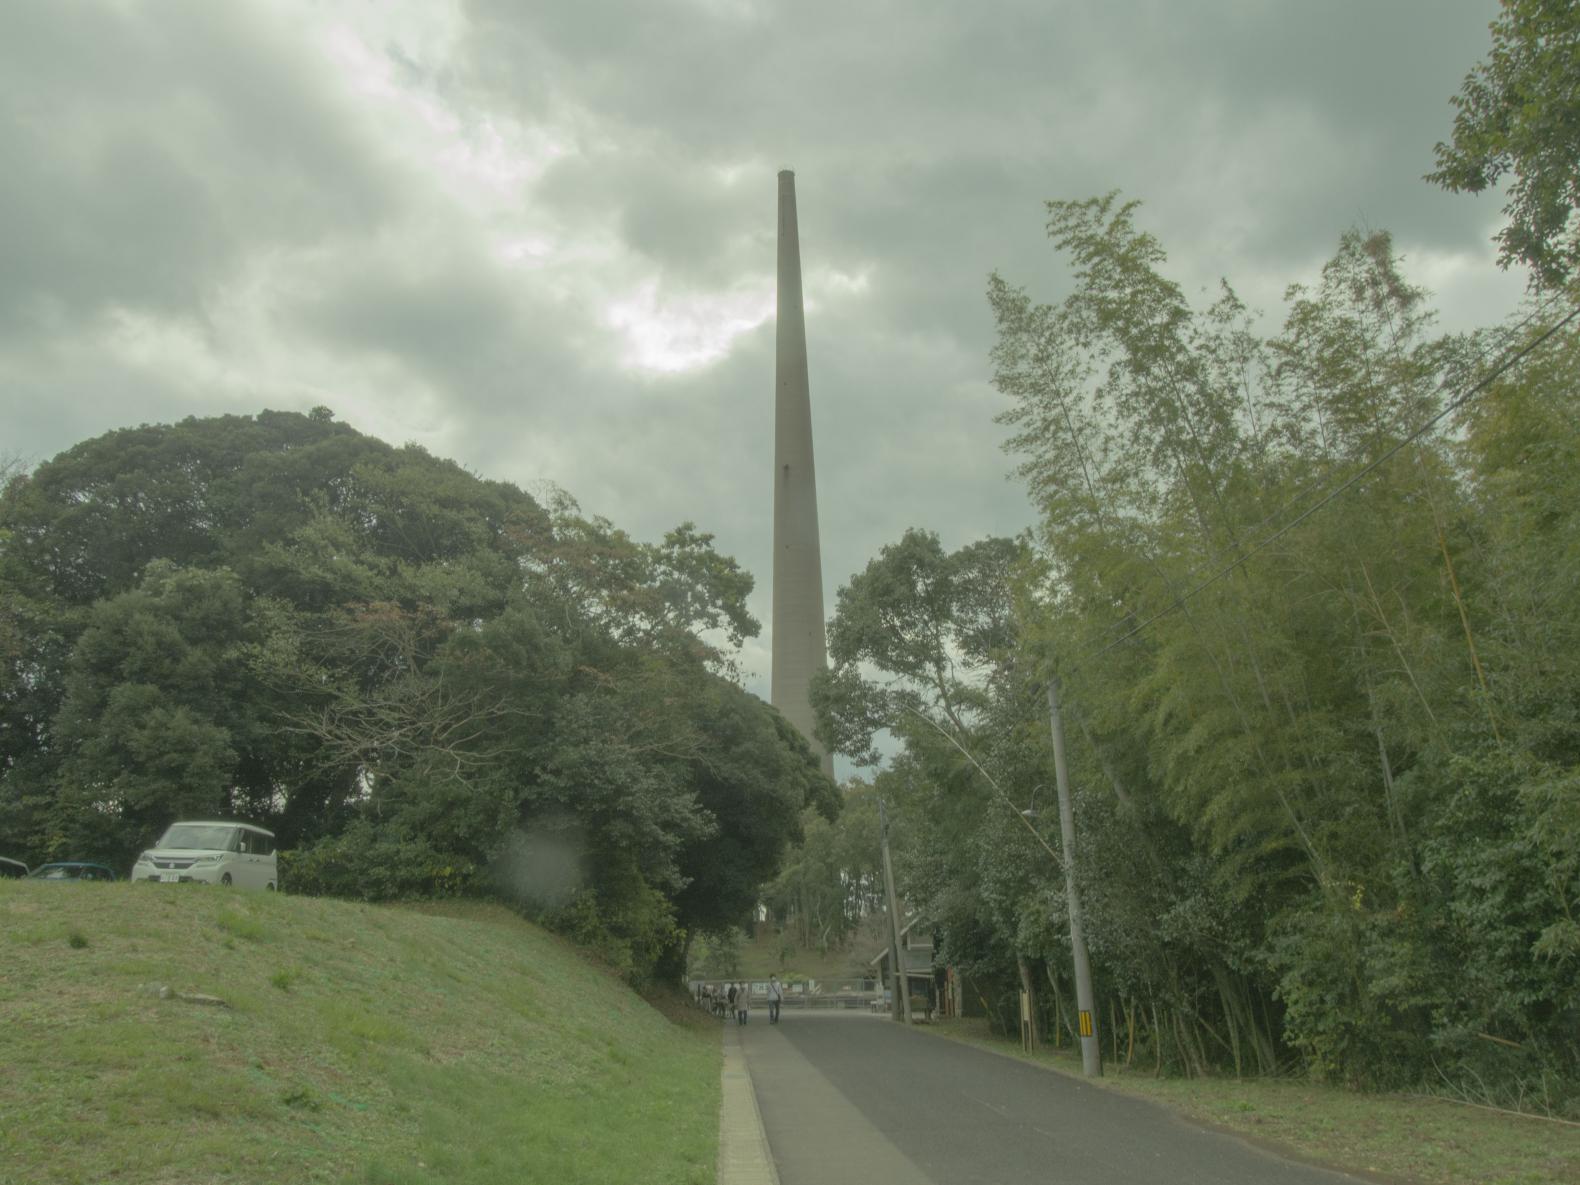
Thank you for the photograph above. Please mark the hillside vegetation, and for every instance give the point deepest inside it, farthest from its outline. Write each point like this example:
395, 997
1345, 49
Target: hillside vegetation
425, 683
354, 1043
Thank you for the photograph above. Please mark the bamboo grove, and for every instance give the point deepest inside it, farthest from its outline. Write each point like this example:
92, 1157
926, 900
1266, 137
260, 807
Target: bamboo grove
1327, 792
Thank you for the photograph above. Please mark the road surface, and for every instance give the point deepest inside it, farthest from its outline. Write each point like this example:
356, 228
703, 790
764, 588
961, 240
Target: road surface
848, 1097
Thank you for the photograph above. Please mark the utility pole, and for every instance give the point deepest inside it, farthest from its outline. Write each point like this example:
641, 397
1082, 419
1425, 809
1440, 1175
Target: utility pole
901, 982
1091, 1047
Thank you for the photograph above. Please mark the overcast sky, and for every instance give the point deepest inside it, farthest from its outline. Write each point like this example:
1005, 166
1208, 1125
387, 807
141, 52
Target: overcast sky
538, 236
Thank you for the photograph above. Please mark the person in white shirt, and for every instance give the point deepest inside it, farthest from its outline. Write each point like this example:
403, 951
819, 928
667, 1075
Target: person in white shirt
776, 995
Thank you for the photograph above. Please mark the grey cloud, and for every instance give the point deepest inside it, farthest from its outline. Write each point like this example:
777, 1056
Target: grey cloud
443, 316
154, 154
1066, 100
669, 211
53, 397
149, 150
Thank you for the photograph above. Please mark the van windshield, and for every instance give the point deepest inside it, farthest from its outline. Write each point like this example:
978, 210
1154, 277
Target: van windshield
206, 837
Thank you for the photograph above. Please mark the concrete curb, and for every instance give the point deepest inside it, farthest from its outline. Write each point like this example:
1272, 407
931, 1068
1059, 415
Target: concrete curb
744, 1158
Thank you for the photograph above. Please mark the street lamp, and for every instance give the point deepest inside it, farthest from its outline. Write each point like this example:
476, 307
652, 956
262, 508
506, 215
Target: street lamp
1031, 812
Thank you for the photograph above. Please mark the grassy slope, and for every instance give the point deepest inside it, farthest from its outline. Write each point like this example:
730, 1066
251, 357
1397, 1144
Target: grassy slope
1395, 1137
382, 1045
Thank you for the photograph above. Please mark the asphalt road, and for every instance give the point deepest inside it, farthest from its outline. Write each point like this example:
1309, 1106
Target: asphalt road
847, 1097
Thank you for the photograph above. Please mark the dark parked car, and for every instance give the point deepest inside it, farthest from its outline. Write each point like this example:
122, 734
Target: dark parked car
72, 870
10, 868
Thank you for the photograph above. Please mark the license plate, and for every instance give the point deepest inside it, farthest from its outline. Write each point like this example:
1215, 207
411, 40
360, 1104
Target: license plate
170, 878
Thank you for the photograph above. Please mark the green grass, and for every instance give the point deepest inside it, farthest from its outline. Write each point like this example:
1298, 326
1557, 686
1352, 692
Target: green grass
1427, 1141
361, 1044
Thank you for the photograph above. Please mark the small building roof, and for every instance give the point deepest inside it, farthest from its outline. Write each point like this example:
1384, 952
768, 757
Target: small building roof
905, 930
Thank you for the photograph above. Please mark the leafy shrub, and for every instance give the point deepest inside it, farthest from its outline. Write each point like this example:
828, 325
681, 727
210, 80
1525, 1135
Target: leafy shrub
631, 928
1470, 979
365, 863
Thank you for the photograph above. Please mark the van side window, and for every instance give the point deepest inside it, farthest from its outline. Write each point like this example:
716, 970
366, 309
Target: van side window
238, 841
255, 843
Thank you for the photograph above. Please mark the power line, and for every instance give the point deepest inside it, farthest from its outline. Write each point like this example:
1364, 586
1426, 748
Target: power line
1313, 483
1534, 315
1425, 427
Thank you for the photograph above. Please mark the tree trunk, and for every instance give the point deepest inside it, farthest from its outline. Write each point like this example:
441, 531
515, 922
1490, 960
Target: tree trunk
1157, 1044
1061, 1019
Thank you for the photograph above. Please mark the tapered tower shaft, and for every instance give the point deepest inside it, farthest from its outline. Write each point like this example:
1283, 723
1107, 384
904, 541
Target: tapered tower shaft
799, 647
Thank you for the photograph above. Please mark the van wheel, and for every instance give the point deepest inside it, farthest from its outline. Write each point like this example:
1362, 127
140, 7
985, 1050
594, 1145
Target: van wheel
269, 886
225, 880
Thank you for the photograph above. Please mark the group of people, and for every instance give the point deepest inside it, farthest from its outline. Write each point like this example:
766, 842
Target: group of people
735, 999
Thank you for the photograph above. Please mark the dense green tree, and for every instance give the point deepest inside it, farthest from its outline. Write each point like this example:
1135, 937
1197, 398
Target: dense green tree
424, 681
1518, 116
833, 879
932, 622
158, 719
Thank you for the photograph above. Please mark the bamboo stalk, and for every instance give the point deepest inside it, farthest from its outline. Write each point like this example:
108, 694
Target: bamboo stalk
1500, 1040
1393, 638
1157, 1044
1464, 617
1182, 1046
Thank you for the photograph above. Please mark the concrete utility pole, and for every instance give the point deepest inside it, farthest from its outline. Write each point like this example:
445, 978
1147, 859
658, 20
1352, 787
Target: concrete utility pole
1091, 1047
902, 992
799, 646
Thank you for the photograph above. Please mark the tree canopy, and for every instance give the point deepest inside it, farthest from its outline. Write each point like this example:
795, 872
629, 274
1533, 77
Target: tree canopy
1518, 116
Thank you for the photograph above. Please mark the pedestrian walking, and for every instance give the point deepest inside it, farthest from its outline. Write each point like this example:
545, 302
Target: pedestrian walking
776, 996
743, 1003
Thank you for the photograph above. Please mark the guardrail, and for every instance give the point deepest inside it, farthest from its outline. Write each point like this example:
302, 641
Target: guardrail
820, 1000
838, 1000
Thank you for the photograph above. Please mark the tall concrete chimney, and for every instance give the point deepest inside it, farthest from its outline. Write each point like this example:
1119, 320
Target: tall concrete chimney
800, 650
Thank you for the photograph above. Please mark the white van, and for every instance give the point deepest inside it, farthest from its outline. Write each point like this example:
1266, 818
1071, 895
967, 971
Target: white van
212, 853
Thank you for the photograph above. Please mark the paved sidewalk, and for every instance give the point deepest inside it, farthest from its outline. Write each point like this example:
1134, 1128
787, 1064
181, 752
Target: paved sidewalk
744, 1158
